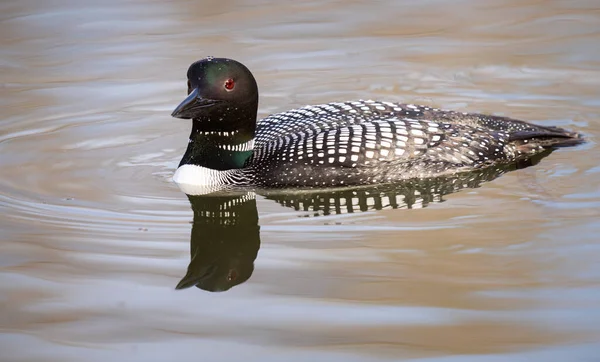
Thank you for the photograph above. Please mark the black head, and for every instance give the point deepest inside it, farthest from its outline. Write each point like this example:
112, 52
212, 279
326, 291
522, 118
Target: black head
219, 89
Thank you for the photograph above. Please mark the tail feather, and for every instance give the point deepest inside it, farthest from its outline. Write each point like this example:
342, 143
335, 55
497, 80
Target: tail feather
547, 137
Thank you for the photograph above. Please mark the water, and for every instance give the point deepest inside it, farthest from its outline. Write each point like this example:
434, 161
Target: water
95, 237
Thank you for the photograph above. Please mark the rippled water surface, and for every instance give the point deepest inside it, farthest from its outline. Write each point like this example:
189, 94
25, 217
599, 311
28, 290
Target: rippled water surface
95, 236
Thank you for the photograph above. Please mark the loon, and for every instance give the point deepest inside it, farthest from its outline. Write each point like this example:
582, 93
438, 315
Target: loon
337, 144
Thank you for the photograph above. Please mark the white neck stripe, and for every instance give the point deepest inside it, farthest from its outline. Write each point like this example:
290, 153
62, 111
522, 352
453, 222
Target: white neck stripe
246, 146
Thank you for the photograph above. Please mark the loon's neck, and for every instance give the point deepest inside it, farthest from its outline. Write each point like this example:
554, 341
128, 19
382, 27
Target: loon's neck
221, 144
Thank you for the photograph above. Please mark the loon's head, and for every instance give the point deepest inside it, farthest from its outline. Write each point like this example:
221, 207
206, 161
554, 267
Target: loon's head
222, 94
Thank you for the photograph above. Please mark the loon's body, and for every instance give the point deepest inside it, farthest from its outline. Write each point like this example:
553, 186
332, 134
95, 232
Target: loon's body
337, 144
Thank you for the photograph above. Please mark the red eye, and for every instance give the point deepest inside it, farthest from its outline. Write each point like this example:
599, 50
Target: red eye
229, 84
232, 275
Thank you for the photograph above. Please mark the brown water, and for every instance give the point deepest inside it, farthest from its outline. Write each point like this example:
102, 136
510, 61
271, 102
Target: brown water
95, 236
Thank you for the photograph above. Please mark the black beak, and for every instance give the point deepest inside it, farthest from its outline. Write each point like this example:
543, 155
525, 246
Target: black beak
194, 277
191, 106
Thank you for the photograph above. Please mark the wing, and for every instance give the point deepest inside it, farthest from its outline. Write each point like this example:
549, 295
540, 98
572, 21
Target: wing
334, 115
496, 123
375, 151
330, 116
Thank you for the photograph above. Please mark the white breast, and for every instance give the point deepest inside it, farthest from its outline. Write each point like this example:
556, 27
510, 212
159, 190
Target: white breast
197, 175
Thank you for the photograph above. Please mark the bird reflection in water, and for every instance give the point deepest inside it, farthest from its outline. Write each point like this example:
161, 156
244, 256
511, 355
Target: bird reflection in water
226, 234
224, 242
